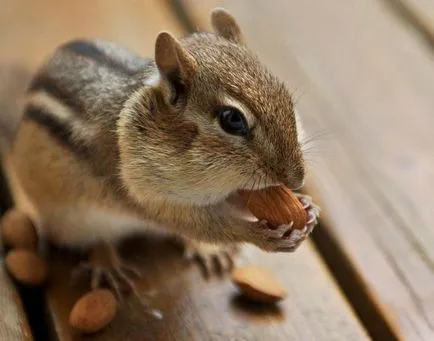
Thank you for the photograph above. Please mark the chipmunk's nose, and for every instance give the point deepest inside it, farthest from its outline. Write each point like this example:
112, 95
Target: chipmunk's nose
295, 185
295, 180
293, 174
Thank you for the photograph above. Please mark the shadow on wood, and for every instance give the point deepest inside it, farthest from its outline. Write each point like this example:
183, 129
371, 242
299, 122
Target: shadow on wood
194, 308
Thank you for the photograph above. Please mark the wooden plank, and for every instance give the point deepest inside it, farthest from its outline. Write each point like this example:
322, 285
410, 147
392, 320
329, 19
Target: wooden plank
366, 80
13, 322
29, 30
419, 13
423, 6
196, 309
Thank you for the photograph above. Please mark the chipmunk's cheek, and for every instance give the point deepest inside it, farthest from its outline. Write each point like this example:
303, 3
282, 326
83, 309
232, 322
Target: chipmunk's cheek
236, 206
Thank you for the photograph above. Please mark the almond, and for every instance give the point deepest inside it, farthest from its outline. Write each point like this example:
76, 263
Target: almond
26, 267
258, 284
93, 311
18, 230
277, 205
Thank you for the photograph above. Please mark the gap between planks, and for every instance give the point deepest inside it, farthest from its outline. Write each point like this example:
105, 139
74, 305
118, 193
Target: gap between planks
419, 17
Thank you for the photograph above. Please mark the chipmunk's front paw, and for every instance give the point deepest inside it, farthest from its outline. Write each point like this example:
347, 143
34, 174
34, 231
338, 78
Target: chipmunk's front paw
107, 269
312, 211
285, 238
212, 258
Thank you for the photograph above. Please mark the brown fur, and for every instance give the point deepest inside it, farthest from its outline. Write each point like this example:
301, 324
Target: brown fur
154, 150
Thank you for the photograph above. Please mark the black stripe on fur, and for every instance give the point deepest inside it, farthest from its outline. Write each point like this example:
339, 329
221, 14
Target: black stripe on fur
89, 50
61, 131
44, 82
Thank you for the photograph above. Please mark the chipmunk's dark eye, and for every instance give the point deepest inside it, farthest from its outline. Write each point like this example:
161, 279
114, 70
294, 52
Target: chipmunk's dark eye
233, 121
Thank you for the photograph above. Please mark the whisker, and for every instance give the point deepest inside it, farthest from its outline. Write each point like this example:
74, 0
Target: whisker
250, 178
253, 184
254, 180
262, 181
317, 136
312, 150
295, 100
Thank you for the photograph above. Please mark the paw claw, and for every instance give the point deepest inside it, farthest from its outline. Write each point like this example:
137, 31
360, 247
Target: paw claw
311, 217
211, 258
312, 210
305, 200
107, 269
113, 283
132, 271
127, 282
118, 279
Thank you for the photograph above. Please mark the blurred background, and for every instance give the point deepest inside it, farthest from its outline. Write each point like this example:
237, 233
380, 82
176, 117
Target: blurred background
362, 74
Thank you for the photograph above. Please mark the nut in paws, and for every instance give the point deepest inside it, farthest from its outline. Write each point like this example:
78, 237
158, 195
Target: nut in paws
286, 218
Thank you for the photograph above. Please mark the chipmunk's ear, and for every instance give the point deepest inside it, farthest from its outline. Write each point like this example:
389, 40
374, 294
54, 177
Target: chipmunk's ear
225, 25
173, 61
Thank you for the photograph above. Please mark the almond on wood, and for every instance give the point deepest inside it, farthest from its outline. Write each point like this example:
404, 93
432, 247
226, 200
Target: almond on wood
26, 267
18, 231
93, 312
258, 284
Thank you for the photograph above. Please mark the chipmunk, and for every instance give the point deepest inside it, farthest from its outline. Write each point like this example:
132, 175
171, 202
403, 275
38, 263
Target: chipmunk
112, 144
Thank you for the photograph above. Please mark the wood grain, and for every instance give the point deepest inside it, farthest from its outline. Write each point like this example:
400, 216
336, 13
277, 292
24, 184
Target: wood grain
419, 14
30, 30
197, 309
13, 323
366, 80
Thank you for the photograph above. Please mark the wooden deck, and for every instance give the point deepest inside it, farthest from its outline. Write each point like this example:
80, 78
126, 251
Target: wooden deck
362, 72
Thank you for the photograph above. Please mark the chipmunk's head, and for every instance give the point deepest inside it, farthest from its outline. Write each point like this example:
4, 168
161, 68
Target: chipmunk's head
210, 121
